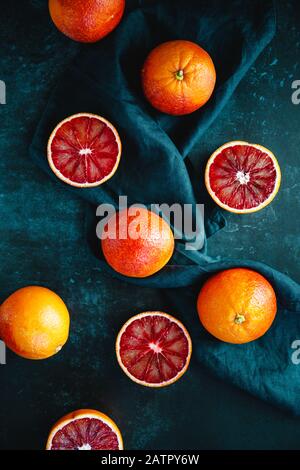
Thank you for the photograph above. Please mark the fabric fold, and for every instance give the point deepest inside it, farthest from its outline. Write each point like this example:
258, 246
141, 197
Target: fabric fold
155, 167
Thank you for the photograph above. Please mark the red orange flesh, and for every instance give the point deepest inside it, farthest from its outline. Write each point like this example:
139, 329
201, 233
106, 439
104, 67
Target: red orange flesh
242, 177
154, 349
85, 430
84, 150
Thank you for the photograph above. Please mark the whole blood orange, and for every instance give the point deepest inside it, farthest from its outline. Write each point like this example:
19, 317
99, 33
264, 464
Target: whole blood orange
84, 150
242, 177
154, 349
237, 305
178, 77
85, 430
137, 242
34, 322
86, 20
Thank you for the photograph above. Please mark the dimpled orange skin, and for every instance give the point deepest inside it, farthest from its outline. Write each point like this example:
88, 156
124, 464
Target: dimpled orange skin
140, 257
34, 322
86, 20
237, 305
178, 77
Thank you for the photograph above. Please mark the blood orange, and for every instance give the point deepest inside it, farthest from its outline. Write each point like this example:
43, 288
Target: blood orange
237, 305
154, 349
84, 150
86, 21
242, 177
178, 77
137, 242
85, 430
34, 322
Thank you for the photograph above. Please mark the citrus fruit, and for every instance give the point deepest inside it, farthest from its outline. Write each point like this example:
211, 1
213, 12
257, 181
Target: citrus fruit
84, 150
237, 305
242, 177
34, 322
137, 243
85, 430
178, 77
154, 349
86, 21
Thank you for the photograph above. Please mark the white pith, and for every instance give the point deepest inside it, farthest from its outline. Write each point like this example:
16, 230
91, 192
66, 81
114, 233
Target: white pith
155, 347
86, 151
84, 447
242, 177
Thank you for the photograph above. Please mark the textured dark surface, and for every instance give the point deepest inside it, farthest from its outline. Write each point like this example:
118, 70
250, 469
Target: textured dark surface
85, 373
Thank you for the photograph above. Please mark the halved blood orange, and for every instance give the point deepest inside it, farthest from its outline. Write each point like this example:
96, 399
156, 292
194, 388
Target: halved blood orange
85, 430
84, 150
242, 177
154, 349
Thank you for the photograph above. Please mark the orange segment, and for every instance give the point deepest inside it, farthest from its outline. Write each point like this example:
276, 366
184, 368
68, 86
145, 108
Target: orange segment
84, 150
154, 349
242, 177
85, 430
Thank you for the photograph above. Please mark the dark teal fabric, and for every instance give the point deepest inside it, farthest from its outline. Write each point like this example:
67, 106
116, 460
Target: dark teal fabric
155, 165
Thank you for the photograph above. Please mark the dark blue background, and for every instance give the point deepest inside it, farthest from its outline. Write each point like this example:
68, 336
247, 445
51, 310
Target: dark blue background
33, 395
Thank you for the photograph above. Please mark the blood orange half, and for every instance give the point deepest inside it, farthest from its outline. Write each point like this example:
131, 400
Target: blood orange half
84, 150
242, 177
85, 430
154, 349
